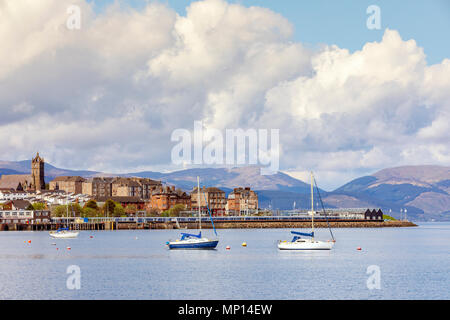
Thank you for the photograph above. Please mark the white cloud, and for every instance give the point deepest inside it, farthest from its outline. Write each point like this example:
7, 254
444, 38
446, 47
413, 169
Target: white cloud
108, 96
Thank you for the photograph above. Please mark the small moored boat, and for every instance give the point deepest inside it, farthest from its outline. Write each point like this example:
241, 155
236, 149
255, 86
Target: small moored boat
63, 233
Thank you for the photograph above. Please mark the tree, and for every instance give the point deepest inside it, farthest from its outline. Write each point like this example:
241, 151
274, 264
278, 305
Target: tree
119, 211
152, 213
75, 209
89, 212
165, 213
130, 209
176, 209
91, 204
59, 211
108, 208
38, 206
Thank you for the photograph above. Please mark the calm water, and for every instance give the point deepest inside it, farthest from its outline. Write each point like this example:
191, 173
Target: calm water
414, 264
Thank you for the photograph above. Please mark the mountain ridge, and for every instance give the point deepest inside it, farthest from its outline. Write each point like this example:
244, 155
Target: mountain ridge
423, 190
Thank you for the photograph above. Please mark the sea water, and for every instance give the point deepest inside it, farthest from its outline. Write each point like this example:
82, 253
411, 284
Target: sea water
393, 263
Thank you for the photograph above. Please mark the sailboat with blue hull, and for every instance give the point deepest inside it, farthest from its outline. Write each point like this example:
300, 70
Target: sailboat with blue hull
195, 241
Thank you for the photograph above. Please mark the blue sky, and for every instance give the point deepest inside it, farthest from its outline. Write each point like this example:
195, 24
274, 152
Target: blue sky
344, 22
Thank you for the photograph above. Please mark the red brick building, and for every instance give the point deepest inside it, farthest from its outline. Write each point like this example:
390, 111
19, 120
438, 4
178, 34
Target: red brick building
164, 198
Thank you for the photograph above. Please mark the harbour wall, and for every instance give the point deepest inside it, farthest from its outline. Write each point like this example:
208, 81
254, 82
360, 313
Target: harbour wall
218, 225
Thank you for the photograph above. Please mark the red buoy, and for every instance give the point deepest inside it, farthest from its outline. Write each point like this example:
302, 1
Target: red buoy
359, 248
228, 248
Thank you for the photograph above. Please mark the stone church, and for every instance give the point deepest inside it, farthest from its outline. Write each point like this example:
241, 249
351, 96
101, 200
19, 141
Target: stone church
26, 182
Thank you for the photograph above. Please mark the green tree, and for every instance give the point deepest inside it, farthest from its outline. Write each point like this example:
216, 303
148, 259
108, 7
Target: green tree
165, 213
130, 209
108, 208
91, 204
75, 209
89, 212
59, 211
119, 211
176, 209
39, 206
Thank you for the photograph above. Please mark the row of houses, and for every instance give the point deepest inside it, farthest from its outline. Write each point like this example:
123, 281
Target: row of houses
49, 197
148, 194
106, 186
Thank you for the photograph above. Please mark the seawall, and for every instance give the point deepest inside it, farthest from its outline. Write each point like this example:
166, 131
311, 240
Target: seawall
207, 225
298, 224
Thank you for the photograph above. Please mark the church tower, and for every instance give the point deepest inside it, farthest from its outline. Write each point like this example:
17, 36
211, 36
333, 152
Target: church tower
37, 173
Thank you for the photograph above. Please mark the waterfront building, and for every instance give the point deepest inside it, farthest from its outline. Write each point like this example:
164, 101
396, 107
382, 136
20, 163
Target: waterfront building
24, 217
164, 198
242, 201
373, 215
98, 187
124, 187
212, 197
120, 187
147, 186
69, 184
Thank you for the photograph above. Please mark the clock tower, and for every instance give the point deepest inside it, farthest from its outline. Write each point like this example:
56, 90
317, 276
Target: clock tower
37, 173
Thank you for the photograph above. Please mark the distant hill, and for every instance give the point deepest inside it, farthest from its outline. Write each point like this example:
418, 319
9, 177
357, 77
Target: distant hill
24, 167
229, 178
423, 190
10, 171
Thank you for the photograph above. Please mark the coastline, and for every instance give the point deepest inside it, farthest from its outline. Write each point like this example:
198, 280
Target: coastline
290, 224
239, 224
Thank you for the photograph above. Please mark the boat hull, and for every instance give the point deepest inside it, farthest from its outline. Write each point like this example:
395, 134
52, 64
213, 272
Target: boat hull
306, 245
64, 235
199, 245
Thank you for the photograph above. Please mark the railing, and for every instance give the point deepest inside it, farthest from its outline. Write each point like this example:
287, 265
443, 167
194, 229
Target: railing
203, 219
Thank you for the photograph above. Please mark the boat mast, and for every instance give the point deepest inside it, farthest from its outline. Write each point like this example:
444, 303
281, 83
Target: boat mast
312, 206
198, 200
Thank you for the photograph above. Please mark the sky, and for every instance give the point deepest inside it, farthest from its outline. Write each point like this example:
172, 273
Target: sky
107, 96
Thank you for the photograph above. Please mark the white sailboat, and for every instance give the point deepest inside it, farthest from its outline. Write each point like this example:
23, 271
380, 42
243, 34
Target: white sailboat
194, 241
64, 233
298, 243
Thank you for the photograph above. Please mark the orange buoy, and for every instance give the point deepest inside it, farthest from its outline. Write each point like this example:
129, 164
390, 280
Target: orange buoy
29, 241
68, 248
